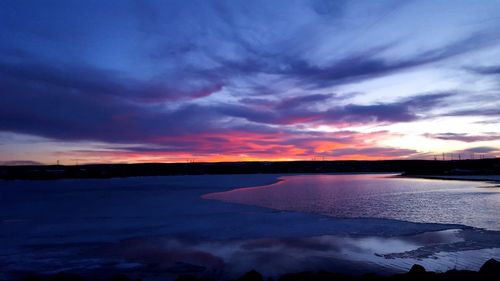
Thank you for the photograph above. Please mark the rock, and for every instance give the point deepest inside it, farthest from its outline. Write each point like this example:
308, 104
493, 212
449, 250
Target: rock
121, 277
190, 277
457, 275
417, 269
66, 277
185, 268
491, 268
251, 276
316, 276
186, 278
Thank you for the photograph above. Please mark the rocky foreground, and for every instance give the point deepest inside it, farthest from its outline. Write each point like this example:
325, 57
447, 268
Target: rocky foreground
489, 271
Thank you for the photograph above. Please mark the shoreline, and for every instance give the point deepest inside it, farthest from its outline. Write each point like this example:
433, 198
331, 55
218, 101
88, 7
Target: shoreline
495, 179
415, 167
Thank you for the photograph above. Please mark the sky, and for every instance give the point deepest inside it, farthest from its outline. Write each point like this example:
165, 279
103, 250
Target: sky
181, 81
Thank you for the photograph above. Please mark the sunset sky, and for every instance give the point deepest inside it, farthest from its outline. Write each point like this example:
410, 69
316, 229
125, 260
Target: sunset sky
174, 81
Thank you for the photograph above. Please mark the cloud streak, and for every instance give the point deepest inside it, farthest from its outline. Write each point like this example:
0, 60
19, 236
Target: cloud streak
241, 80
466, 137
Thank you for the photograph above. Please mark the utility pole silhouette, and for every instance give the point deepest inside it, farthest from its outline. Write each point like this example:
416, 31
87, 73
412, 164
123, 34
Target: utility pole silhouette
443, 156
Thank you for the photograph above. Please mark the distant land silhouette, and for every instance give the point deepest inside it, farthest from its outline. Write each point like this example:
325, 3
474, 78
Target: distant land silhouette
406, 167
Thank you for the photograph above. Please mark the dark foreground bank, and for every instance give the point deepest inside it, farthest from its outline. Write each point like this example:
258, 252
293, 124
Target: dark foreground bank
489, 271
407, 167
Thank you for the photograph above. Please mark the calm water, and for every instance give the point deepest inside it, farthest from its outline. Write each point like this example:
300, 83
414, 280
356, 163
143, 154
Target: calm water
156, 228
474, 204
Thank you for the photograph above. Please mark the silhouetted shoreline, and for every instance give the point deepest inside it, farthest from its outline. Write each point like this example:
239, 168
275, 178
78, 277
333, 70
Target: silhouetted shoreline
405, 167
490, 270
487, 178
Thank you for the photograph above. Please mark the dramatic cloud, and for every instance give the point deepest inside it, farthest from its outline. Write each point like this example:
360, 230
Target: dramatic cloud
20, 163
466, 137
488, 111
103, 84
405, 110
486, 70
374, 151
212, 80
476, 152
482, 149
353, 68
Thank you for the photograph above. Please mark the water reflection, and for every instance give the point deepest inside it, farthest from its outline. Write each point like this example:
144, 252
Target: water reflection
87, 226
164, 258
381, 196
276, 256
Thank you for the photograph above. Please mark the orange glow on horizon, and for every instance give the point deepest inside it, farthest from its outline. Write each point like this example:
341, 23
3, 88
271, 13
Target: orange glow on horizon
241, 146
117, 157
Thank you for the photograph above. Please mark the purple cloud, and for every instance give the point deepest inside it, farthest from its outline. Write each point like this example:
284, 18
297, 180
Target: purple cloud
465, 137
482, 149
231, 78
19, 163
374, 151
407, 109
303, 101
76, 79
485, 70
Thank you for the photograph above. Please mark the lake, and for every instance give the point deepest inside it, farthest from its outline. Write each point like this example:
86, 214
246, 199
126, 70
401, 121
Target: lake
474, 204
223, 225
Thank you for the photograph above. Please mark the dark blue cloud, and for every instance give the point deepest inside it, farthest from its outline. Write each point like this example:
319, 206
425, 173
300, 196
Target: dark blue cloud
303, 100
107, 84
144, 72
407, 109
466, 137
482, 149
382, 151
20, 163
89, 109
485, 70
490, 110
